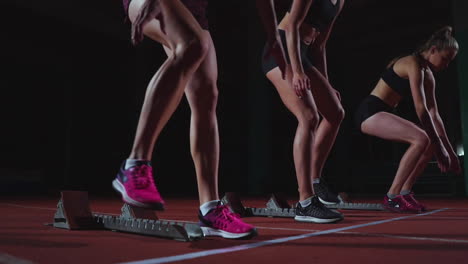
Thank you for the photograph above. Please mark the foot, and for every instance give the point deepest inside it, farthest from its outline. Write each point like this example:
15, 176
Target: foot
400, 205
137, 187
410, 198
325, 195
316, 212
220, 221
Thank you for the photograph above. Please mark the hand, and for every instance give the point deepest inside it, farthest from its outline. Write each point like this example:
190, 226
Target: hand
454, 164
151, 9
301, 83
275, 49
443, 159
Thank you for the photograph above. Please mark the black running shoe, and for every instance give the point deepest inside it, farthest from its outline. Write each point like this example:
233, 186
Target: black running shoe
316, 212
325, 195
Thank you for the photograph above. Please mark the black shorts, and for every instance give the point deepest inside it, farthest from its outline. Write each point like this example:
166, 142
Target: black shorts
269, 62
369, 107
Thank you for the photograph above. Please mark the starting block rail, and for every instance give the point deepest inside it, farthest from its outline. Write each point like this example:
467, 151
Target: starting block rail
277, 206
357, 206
73, 212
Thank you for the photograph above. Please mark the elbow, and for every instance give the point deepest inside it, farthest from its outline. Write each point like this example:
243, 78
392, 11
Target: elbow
293, 26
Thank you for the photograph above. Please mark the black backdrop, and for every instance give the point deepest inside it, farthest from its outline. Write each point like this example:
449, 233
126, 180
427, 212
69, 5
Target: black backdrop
72, 87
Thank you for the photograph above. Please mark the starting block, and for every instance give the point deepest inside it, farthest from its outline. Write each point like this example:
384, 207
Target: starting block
74, 213
277, 206
345, 205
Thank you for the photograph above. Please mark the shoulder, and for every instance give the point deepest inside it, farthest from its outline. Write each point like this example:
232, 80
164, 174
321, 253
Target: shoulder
409, 64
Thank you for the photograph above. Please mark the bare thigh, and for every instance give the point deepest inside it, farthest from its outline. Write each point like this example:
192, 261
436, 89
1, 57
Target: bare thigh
327, 99
391, 127
298, 106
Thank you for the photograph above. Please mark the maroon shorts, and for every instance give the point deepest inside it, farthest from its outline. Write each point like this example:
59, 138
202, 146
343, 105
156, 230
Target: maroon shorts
198, 8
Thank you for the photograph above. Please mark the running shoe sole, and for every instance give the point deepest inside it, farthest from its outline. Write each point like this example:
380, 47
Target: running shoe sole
311, 219
208, 231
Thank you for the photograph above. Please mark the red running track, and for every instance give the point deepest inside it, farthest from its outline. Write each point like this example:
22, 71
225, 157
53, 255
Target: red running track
441, 236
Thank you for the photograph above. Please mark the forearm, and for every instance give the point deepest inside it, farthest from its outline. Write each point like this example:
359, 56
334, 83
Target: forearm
429, 126
268, 16
292, 40
440, 128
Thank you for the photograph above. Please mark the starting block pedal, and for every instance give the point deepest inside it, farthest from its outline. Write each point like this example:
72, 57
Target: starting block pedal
74, 213
276, 207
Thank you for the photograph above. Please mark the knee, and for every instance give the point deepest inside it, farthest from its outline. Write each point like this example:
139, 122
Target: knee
339, 115
205, 101
336, 117
192, 51
211, 95
429, 151
309, 120
421, 140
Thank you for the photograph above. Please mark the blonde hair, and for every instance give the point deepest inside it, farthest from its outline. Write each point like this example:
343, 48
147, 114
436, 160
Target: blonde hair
441, 39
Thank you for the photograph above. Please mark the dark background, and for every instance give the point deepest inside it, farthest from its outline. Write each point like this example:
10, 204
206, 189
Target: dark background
72, 88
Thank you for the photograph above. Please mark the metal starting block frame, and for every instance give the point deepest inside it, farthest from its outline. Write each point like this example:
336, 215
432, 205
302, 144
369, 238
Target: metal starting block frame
355, 206
74, 213
278, 206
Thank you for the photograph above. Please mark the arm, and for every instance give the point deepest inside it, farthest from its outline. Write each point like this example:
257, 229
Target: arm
267, 13
151, 9
415, 74
318, 49
439, 124
266, 10
298, 12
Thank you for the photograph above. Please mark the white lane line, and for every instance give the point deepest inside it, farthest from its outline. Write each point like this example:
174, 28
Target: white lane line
458, 208
268, 242
287, 229
9, 259
305, 230
461, 241
372, 234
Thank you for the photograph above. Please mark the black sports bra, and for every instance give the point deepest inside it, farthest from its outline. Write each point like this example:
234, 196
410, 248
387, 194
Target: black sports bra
398, 84
321, 13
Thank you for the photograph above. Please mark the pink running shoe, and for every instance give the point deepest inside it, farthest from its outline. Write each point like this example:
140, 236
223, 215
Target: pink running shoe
137, 187
220, 221
400, 205
410, 198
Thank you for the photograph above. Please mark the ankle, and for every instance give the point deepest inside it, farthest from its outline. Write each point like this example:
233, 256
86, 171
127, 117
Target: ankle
405, 192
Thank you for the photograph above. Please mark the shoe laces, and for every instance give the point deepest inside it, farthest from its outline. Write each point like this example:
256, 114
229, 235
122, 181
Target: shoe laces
411, 195
316, 202
142, 176
406, 202
226, 214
